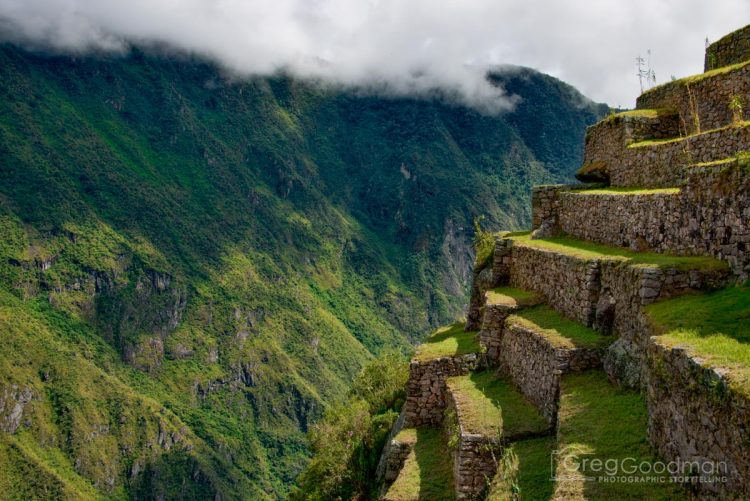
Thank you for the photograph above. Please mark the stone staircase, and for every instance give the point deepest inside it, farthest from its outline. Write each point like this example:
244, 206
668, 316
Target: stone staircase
616, 332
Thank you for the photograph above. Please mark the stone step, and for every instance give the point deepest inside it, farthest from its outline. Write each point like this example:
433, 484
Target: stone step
498, 304
702, 101
538, 346
661, 163
730, 49
698, 389
449, 351
602, 443
709, 215
606, 140
606, 288
484, 412
426, 468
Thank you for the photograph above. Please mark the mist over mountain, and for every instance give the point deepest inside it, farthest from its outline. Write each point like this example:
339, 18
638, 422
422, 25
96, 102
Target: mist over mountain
193, 266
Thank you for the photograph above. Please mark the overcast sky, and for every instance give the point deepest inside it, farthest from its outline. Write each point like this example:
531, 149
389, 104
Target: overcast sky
404, 46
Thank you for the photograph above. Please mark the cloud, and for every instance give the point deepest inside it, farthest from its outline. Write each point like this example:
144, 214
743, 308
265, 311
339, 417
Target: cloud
399, 46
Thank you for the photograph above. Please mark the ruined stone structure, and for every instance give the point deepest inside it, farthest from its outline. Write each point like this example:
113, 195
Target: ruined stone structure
669, 216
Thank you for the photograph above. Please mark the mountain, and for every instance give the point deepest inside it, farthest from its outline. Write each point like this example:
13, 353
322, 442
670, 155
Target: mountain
192, 266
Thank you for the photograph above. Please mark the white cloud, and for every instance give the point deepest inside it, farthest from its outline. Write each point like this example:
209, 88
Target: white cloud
402, 46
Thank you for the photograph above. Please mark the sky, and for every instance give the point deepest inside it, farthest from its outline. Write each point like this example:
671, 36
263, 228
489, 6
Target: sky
400, 47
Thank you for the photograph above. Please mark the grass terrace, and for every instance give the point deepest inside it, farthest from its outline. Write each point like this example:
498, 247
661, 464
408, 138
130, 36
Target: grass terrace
655, 142
513, 297
600, 421
714, 326
491, 406
427, 473
558, 330
627, 191
525, 471
646, 113
692, 79
582, 249
448, 342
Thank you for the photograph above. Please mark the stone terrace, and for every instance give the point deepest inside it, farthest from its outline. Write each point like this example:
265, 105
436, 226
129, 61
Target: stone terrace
618, 318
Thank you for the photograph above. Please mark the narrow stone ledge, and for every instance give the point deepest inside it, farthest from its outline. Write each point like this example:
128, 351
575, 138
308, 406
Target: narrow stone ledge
425, 388
535, 361
499, 303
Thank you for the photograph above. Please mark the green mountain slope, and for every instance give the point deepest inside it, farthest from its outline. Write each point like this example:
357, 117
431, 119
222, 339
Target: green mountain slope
192, 268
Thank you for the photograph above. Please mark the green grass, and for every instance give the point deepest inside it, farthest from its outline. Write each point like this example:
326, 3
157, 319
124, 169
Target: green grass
657, 142
558, 330
407, 436
525, 471
600, 421
647, 113
714, 327
588, 250
700, 76
490, 405
448, 341
628, 191
427, 474
513, 296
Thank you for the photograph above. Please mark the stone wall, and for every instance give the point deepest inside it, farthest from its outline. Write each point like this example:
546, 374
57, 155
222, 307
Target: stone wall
425, 389
492, 330
606, 140
656, 165
607, 295
570, 284
731, 49
694, 416
710, 216
493, 274
706, 98
536, 366
475, 457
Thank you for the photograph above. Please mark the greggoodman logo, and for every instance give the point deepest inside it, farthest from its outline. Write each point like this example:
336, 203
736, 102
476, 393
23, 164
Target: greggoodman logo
570, 465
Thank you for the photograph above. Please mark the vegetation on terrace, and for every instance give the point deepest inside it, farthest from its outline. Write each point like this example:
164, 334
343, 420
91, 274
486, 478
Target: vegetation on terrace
513, 296
525, 471
490, 405
597, 420
699, 77
187, 239
586, 250
659, 142
448, 341
558, 330
713, 326
617, 191
427, 473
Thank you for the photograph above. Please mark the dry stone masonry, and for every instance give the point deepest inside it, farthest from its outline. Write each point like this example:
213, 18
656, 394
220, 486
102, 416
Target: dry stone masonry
673, 178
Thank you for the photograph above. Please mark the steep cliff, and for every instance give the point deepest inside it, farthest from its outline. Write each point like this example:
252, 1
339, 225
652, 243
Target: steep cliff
192, 267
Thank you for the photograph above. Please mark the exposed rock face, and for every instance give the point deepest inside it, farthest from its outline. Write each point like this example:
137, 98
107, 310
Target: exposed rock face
13, 401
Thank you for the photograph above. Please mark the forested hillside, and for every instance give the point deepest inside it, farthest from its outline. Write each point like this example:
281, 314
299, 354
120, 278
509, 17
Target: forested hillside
192, 267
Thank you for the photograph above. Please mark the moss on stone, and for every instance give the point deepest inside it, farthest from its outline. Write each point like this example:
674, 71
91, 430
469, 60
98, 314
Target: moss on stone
561, 332
656, 142
448, 341
628, 191
714, 327
491, 406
